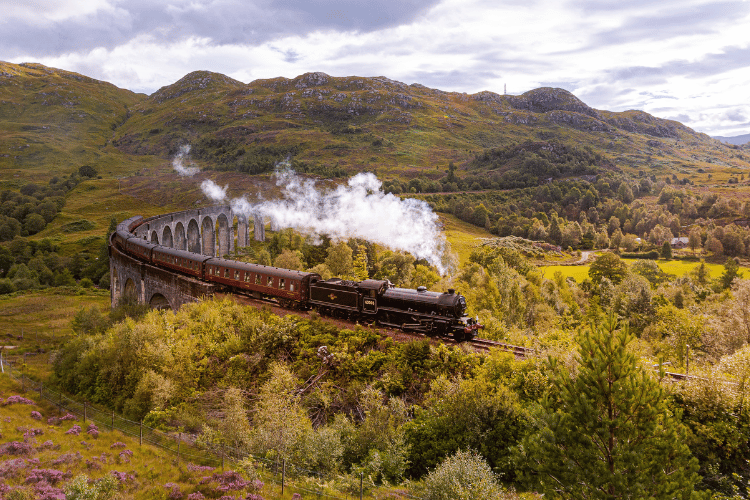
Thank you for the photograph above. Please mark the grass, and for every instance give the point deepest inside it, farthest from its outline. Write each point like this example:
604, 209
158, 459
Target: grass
676, 267
462, 236
35, 323
149, 469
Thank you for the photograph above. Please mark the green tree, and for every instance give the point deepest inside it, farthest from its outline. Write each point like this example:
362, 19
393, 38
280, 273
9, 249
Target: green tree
289, 259
731, 271
339, 259
87, 171
465, 414
666, 251
360, 264
607, 432
280, 422
610, 266
34, 223
694, 238
701, 273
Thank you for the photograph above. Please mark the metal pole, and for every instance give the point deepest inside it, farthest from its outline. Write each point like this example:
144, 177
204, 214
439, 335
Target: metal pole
41, 387
222, 458
179, 440
361, 481
113, 421
23, 384
84, 412
283, 475
140, 436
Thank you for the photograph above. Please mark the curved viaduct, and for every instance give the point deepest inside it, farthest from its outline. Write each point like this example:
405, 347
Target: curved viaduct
207, 231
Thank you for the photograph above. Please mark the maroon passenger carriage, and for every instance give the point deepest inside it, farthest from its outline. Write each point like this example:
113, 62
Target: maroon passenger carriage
290, 288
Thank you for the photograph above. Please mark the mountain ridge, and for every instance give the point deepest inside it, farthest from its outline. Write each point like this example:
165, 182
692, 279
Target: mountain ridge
327, 124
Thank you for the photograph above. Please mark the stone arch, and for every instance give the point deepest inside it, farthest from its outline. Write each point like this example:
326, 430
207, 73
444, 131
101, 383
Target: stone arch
159, 301
208, 237
180, 243
166, 237
222, 233
193, 237
130, 293
242, 230
154, 237
115, 286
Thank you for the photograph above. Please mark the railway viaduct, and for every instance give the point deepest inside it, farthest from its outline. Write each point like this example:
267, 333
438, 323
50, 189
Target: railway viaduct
208, 231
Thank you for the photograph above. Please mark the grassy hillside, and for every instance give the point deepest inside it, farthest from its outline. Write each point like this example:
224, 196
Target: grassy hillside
54, 121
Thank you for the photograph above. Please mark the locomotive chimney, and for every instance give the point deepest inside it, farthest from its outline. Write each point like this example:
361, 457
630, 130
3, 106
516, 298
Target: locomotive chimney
451, 291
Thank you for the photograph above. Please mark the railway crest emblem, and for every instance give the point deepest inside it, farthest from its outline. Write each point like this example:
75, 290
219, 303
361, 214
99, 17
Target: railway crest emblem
332, 297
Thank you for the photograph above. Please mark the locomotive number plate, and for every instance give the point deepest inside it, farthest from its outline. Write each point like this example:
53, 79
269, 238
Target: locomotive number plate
369, 305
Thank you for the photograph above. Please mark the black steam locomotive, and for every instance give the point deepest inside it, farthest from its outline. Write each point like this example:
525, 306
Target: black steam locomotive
368, 301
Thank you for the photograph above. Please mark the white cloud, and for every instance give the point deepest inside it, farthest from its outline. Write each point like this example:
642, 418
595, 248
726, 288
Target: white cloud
46, 11
614, 55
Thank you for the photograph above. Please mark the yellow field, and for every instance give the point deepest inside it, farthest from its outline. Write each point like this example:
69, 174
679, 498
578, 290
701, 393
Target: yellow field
676, 267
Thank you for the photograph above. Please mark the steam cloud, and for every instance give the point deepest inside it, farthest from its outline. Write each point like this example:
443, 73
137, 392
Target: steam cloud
213, 190
357, 210
177, 162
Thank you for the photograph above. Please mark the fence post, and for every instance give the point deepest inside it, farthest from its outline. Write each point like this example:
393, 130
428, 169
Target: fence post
84, 412
687, 359
59, 405
41, 387
283, 475
223, 452
361, 480
179, 441
23, 383
140, 436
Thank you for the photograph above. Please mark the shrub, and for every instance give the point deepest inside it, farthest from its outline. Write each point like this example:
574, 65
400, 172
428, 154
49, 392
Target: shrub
16, 448
465, 475
75, 430
15, 399
93, 431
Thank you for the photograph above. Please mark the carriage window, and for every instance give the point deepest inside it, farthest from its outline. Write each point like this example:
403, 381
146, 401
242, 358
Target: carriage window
270, 281
226, 273
247, 277
236, 275
281, 284
292, 286
257, 279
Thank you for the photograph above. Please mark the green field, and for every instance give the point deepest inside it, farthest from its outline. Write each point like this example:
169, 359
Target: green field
676, 267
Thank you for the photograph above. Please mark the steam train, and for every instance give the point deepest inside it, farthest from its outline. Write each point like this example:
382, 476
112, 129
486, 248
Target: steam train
367, 301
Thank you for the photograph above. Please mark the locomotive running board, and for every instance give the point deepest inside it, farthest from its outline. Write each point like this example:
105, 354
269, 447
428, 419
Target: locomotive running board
414, 327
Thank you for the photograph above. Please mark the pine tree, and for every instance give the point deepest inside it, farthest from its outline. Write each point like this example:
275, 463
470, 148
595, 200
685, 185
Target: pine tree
607, 432
360, 264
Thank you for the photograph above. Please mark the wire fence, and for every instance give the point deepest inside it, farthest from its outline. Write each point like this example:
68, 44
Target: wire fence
279, 472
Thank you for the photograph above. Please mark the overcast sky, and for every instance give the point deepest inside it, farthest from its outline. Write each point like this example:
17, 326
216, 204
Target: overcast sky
687, 60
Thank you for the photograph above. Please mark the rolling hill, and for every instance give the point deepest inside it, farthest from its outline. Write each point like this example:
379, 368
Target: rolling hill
54, 121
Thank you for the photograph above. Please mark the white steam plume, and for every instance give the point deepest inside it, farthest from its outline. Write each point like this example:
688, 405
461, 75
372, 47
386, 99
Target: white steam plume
177, 162
213, 190
358, 210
